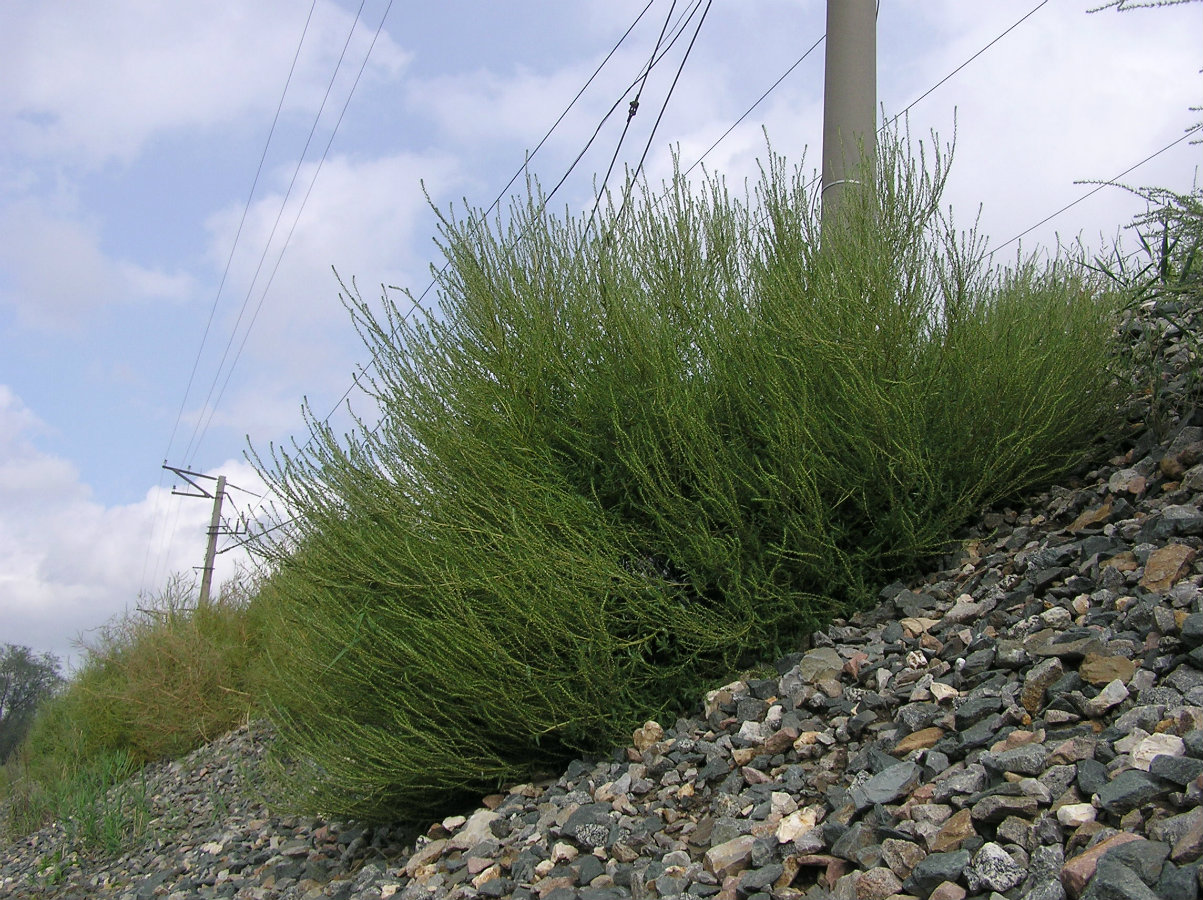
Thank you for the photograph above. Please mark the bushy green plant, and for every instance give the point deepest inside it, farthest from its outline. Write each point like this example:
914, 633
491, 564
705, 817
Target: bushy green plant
614, 468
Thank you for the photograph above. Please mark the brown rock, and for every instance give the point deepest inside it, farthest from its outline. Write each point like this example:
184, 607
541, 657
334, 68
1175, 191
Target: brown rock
901, 856
1101, 668
781, 741
833, 867
947, 890
1092, 517
1174, 464
877, 884
1124, 561
754, 776
1073, 750
427, 854
1167, 566
1077, 872
919, 740
954, 832
547, 885
1038, 681
1189, 847
648, 736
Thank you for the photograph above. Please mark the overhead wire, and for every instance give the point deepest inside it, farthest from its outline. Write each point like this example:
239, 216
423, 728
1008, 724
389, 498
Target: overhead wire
658, 54
1098, 187
631, 111
663, 107
224, 275
1007, 31
238, 232
196, 431
296, 219
754, 105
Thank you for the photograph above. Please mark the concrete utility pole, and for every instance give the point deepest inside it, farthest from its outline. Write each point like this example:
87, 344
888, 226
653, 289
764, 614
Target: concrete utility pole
211, 549
214, 523
849, 99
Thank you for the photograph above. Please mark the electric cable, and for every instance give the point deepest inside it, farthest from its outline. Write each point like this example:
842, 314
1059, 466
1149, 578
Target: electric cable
631, 111
224, 275
924, 95
664, 106
189, 449
292, 229
1110, 183
759, 100
416, 304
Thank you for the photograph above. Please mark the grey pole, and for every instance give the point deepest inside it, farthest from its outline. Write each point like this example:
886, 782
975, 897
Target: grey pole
849, 99
211, 550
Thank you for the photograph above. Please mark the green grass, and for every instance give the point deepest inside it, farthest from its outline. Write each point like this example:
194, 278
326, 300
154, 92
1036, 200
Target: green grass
155, 684
613, 470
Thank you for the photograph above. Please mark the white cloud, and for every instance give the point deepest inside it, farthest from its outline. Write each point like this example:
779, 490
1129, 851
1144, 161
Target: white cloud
69, 564
1064, 97
94, 82
57, 271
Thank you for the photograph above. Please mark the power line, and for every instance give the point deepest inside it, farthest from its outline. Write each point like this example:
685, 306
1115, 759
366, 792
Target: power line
924, 95
238, 233
1110, 183
225, 273
641, 80
292, 229
678, 27
267, 246
631, 111
664, 106
759, 100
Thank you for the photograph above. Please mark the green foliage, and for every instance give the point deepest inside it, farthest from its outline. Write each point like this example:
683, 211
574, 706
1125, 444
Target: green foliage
26, 681
614, 469
156, 683
1162, 281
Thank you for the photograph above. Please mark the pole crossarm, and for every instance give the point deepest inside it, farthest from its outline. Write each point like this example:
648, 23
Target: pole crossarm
214, 521
188, 477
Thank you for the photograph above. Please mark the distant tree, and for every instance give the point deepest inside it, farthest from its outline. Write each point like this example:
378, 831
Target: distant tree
26, 680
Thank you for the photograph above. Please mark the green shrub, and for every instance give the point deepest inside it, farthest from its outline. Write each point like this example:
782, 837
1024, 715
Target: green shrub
613, 469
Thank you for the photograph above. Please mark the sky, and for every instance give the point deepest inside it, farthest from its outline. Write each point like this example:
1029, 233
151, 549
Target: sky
167, 272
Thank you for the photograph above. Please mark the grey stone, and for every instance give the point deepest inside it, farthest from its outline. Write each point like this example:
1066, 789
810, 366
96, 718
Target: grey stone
1192, 630
1173, 521
1128, 790
993, 868
1177, 883
935, 869
1117, 882
887, 786
1092, 776
590, 825
976, 708
1028, 759
1179, 769
1145, 858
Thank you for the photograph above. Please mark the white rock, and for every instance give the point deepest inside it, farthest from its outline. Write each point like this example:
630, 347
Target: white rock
1130, 741
797, 824
1156, 745
942, 691
1071, 815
